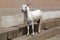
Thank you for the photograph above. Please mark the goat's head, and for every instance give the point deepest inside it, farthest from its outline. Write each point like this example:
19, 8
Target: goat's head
25, 7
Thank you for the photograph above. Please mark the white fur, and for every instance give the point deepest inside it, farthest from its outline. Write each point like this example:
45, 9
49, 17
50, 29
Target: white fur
34, 15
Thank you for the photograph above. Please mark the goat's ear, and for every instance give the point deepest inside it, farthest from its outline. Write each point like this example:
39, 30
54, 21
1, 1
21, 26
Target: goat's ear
27, 4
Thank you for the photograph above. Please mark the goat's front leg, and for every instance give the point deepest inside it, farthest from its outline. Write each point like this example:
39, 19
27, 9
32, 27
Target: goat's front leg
33, 28
28, 30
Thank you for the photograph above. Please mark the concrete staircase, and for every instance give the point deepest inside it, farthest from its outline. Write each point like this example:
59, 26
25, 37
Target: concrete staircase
45, 34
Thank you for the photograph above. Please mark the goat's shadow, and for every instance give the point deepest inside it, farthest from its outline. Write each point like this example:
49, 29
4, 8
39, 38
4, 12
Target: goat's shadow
30, 29
23, 30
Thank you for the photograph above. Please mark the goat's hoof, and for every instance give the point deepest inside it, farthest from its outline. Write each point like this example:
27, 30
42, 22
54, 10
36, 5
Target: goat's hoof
32, 34
27, 34
38, 32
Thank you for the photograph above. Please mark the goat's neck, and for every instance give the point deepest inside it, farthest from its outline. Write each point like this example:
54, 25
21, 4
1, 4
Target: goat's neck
26, 13
28, 10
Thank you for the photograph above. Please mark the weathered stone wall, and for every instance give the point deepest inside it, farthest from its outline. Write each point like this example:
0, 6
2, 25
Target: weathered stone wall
9, 11
12, 20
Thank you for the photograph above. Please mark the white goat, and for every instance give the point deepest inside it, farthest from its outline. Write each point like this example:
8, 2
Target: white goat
31, 16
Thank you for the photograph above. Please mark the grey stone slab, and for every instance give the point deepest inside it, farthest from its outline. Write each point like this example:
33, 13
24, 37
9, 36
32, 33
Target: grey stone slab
3, 34
12, 32
57, 37
57, 31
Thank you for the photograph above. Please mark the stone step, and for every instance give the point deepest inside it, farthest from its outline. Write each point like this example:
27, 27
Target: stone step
57, 37
42, 36
7, 33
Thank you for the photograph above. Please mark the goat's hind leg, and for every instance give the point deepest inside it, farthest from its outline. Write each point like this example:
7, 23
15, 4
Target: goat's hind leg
33, 28
39, 28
